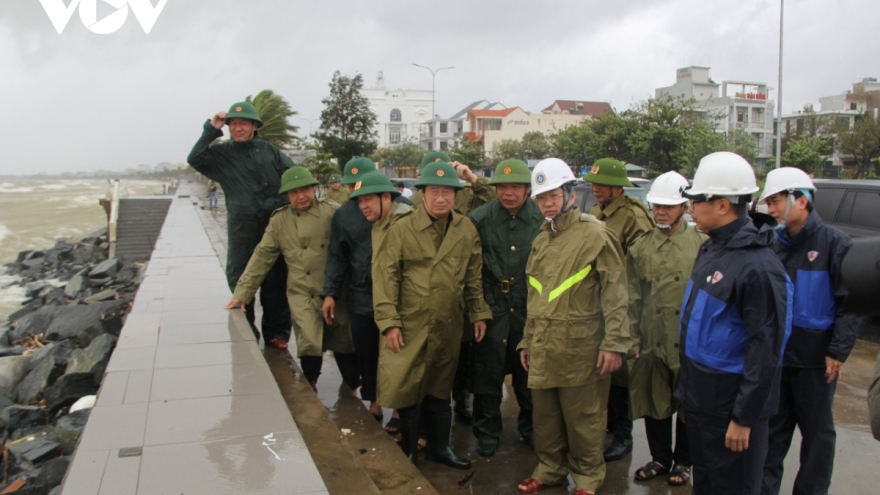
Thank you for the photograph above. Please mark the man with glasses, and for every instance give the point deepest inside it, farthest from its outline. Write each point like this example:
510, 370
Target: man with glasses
249, 170
735, 319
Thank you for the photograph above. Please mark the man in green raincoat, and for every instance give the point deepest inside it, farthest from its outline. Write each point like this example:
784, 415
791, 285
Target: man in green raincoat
300, 233
249, 171
426, 275
507, 226
659, 265
335, 192
629, 220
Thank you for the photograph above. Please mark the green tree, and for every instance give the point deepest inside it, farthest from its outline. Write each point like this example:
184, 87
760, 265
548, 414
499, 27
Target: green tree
404, 158
577, 145
535, 146
469, 153
806, 153
347, 121
274, 112
321, 165
862, 142
507, 148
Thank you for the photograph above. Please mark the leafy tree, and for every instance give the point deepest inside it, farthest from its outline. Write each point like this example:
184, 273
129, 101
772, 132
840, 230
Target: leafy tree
321, 165
535, 146
469, 153
507, 148
403, 158
806, 153
347, 121
576, 145
862, 142
274, 112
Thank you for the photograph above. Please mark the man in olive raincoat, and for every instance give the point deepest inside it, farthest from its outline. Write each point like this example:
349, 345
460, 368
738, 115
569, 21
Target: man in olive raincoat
659, 264
507, 226
475, 192
300, 233
629, 220
426, 276
335, 192
249, 171
575, 336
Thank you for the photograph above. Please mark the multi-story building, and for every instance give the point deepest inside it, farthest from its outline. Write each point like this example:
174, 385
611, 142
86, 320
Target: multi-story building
741, 105
400, 112
442, 134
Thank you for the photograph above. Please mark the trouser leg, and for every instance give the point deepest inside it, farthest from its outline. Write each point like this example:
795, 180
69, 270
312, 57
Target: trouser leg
682, 453
551, 442
487, 418
520, 380
585, 429
348, 368
659, 433
813, 400
618, 406
461, 383
717, 470
409, 430
311, 366
273, 299
439, 425
781, 429
365, 335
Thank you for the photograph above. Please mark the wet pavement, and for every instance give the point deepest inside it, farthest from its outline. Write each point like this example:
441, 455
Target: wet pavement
857, 456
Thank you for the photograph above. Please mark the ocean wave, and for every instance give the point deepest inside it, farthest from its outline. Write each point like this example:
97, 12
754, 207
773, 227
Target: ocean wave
4, 231
13, 189
54, 187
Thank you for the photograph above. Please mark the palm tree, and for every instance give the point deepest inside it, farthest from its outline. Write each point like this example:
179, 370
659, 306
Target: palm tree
274, 112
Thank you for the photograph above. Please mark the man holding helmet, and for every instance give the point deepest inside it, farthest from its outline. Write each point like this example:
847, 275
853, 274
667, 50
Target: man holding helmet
575, 335
425, 275
249, 170
821, 336
658, 267
735, 318
507, 225
629, 220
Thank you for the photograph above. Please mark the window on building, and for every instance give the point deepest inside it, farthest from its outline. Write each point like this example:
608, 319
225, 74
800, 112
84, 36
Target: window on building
740, 115
394, 134
444, 145
443, 127
396, 115
853, 106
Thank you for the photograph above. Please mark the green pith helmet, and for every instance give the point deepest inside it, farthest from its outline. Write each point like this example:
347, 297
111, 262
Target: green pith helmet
434, 156
333, 178
374, 182
243, 110
356, 168
296, 177
608, 172
439, 174
512, 171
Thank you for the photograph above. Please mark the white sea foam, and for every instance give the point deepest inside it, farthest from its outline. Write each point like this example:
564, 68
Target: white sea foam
54, 187
4, 231
14, 189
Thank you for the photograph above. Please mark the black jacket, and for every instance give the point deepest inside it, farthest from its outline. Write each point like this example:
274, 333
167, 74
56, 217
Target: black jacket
735, 318
813, 259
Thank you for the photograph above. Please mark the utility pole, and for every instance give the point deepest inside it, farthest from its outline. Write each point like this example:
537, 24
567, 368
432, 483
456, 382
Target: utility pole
433, 76
779, 94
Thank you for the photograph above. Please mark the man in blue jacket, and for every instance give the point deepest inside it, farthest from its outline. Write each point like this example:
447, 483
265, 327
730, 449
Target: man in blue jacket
821, 337
734, 322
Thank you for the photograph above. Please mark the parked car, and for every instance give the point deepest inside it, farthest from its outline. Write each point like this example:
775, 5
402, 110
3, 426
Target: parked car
853, 206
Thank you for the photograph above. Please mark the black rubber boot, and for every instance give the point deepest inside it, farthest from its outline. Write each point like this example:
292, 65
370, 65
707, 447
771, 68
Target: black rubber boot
409, 432
438, 449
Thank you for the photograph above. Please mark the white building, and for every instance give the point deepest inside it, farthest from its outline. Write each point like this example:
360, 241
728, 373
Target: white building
740, 105
442, 134
400, 112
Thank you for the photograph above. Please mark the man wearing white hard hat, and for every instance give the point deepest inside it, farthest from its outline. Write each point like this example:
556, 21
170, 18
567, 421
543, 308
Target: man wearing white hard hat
658, 267
575, 336
735, 318
821, 335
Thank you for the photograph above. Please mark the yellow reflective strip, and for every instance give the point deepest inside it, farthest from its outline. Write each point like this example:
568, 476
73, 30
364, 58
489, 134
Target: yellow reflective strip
537, 285
570, 282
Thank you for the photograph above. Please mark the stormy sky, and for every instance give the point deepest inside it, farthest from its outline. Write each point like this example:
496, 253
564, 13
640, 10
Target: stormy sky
82, 101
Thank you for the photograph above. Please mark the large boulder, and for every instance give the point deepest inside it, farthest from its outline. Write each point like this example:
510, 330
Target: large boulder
52, 472
94, 358
105, 269
15, 416
75, 285
41, 376
70, 427
37, 449
59, 351
13, 369
68, 389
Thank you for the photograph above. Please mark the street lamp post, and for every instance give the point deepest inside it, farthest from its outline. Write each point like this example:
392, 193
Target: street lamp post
310, 123
779, 94
433, 75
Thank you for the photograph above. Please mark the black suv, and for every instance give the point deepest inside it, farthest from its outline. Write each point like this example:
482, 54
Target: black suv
853, 206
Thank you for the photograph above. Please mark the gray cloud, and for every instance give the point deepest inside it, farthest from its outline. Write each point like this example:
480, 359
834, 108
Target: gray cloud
80, 101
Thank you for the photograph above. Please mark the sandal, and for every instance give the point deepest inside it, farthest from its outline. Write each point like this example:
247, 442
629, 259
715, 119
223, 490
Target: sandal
650, 471
393, 429
530, 485
680, 471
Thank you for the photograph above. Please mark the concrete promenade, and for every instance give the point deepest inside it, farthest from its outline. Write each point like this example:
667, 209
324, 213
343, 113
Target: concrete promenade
188, 404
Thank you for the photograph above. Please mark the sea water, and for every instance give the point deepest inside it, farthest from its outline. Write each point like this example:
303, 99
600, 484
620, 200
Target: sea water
34, 214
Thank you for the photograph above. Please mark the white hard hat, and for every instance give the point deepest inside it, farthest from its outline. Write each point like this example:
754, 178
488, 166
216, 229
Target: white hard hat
723, 174
549, 174
785, 179
666, 189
